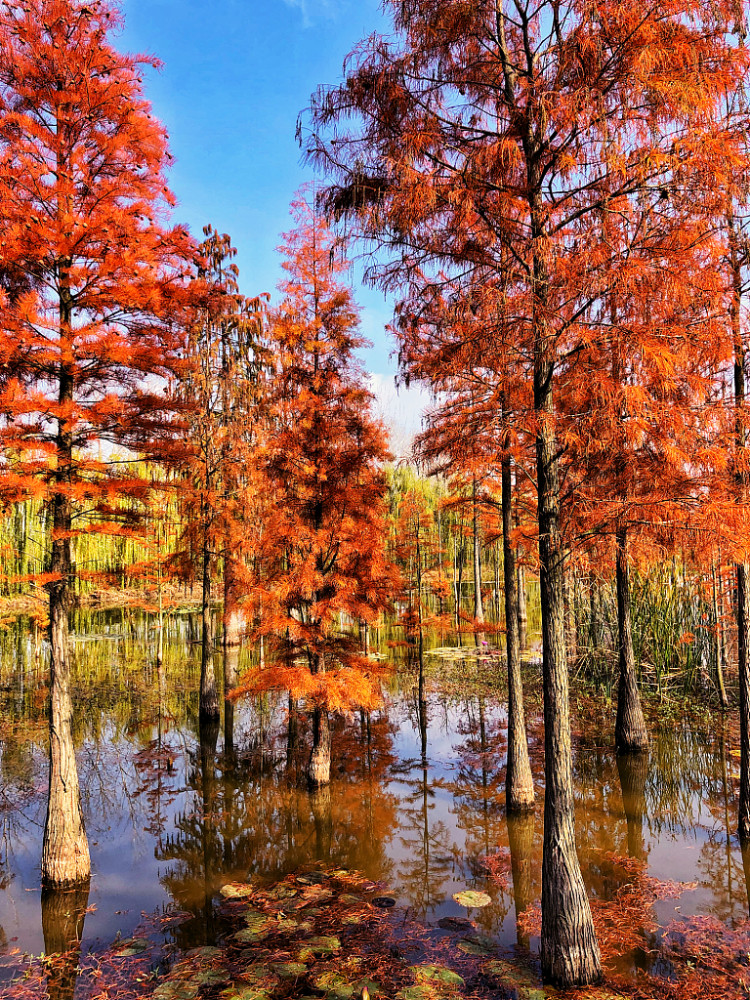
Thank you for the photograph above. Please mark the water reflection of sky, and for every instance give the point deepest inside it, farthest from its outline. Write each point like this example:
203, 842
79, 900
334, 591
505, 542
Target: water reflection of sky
420, 825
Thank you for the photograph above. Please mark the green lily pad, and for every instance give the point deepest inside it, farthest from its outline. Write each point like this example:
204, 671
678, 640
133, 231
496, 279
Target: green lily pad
251, 935
317, 946
132, 946
245, 993
211, 977
236, 890
511, 976
257, 921
335, 986
471, 897
205, 954
281, 892
347, 899
311, 878
437, 974
289, 970
352, 919
177, 989
372, 987
421, 992
477, 946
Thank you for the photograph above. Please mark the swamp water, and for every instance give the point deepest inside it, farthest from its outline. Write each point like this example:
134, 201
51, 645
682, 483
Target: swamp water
174, 811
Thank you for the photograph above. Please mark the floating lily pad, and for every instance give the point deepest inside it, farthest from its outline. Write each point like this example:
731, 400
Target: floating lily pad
282, 892
312, 896
317, 946
251, 935
245, 993
205, 954
513, 977
347, 899
236, 890
211, 977
479, 945
311, 878
335, 986
289, 970
437, 974
352, 919
373, 988
472, 897
132, 946
257, 921
421, 992
177, 989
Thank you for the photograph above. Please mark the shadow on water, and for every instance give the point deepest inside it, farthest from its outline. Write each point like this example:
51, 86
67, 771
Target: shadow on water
176, 808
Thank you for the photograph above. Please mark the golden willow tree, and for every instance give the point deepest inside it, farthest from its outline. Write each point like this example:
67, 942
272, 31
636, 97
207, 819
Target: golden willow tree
324, 544
487, 129
85, 340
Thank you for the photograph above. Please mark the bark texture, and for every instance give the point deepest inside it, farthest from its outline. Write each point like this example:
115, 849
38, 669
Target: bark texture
630, 729
65, 849
570, 952
519, 784
319, 771
743, 667
478, 602
209, 698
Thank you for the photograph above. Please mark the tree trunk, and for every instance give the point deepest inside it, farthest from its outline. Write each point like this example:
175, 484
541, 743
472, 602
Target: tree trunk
630, 728
478, 603
519, 785
65, 849
209, 699
319, 772
233, 619
719, 626
743, 668
523, 617
741, 478
319, 769
570, 952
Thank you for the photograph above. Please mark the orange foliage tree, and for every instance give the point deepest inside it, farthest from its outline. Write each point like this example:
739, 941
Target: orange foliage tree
86, 346
221, 392
487, 136
323, 546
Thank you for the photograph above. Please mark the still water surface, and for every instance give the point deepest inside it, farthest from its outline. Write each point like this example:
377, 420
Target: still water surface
173, 812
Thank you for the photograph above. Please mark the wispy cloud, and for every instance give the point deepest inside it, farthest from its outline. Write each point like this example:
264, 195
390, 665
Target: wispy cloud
317, 10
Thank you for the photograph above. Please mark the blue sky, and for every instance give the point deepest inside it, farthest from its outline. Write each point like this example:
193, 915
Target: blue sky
236, 75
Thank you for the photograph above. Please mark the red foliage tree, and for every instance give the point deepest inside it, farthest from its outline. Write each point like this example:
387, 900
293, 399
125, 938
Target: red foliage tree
85, 345
324, 545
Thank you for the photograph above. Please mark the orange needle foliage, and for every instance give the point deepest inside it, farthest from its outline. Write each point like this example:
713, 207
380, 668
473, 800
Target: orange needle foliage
90, 277
323, 549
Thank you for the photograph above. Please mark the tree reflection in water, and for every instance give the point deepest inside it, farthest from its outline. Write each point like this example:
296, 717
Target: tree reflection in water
63, 917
